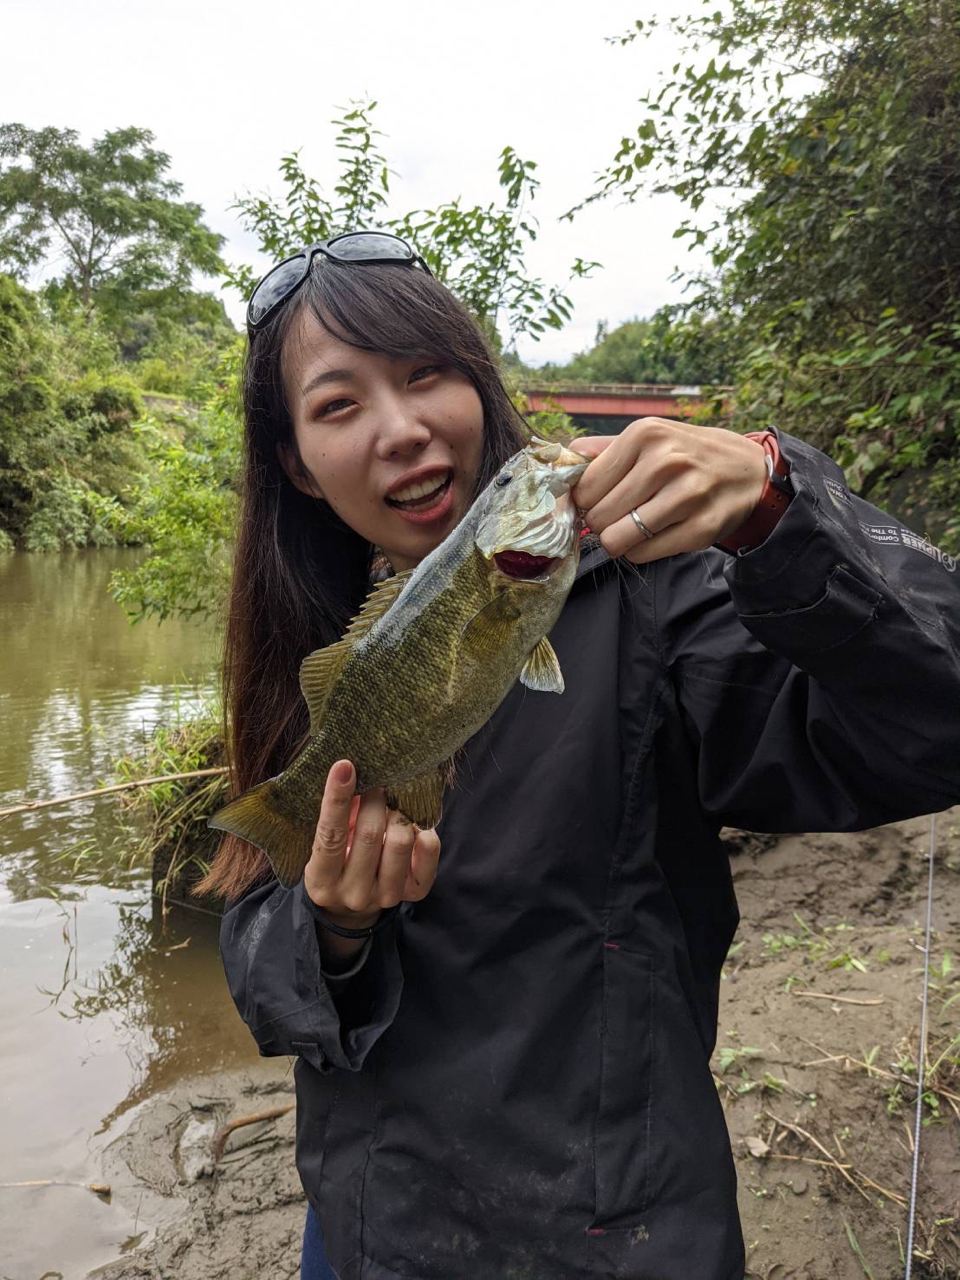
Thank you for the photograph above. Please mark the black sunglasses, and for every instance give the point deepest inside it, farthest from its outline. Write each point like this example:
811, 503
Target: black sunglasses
353, 246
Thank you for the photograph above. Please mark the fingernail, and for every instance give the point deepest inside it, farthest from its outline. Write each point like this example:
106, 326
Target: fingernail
343, 772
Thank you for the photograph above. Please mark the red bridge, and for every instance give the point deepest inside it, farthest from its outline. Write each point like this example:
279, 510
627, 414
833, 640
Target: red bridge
606, 408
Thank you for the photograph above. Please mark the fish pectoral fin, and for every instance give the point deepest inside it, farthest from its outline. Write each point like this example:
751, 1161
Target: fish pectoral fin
257, 816
422, 799
489, 629
541, 670
319, 670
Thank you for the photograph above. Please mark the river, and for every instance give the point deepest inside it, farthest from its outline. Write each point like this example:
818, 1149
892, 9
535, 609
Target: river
100, 1006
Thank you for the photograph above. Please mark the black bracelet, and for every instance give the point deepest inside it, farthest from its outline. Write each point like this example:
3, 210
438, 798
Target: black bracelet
355, 934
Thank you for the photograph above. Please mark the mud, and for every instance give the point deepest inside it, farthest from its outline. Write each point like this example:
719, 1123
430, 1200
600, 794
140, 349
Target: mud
816, 1053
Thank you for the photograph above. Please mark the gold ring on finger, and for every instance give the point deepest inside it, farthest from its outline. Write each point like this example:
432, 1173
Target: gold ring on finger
634, 516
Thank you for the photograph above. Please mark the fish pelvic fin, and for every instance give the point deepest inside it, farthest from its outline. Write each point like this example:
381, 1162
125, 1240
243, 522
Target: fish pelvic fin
257, 817
422, 799
319, 670
542, 669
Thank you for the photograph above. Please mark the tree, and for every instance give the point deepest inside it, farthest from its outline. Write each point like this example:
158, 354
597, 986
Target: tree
68, 444
816, 144
107, 210
668, 348
478, 251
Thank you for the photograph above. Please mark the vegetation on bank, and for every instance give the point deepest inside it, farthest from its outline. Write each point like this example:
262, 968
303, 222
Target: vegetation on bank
816, 146
77, 445
169, 819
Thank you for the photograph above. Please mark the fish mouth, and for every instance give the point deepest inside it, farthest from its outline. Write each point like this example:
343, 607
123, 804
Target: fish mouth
523, 566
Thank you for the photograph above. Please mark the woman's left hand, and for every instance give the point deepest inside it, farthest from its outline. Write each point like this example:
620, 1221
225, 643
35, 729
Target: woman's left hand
690, 486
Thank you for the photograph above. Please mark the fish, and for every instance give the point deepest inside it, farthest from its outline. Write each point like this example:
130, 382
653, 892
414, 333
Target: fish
429, 658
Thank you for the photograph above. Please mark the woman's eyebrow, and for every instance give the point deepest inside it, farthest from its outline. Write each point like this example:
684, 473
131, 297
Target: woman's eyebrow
331, 375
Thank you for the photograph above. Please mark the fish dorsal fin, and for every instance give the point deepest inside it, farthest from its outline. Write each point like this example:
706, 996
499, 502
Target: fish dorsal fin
319, 669
542, 669
381, 597
422, 799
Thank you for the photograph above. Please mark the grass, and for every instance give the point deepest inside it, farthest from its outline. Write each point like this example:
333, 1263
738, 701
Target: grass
176, 838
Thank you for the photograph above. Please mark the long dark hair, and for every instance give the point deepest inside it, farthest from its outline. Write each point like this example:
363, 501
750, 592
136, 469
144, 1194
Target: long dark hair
300, 573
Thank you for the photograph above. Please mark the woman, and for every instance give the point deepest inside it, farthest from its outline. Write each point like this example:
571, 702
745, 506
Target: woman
508, 1075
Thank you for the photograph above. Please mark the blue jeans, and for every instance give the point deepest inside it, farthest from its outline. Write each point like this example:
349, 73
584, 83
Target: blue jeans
313, 1262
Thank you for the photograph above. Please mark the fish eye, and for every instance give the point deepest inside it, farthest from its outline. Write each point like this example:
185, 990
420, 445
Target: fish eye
503, 479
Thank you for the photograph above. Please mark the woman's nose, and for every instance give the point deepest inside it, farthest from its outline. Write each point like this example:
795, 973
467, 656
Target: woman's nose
401, 431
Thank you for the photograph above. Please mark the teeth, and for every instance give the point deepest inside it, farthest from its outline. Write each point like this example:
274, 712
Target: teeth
419, 490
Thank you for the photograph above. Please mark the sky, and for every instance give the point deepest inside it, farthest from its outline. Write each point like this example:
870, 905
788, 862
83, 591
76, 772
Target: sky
229, 88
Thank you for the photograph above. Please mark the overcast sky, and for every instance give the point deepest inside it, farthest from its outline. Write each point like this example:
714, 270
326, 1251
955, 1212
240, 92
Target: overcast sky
227, 88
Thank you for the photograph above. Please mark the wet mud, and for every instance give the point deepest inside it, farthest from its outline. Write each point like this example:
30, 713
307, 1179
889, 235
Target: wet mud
817, 1050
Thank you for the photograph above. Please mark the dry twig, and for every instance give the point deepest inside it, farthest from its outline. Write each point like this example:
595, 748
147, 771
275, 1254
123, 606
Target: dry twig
271, 1113
848, 1171
822, 995
871, 1069
30, 805
98, 1188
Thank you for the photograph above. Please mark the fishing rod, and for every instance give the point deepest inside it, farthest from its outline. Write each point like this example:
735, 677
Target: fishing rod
921, 1056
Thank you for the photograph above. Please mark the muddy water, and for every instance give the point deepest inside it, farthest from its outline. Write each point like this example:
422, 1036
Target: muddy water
99, 1006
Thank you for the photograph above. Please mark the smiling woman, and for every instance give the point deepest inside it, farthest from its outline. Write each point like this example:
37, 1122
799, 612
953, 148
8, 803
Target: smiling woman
503, 1055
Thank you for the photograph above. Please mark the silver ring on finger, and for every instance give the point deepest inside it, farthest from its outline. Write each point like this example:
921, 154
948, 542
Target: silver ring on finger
635, 517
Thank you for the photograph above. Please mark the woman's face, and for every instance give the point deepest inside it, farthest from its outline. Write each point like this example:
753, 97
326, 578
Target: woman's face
393, 446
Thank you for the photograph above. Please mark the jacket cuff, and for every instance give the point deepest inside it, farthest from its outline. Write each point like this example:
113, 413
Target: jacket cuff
807, 571
271, 955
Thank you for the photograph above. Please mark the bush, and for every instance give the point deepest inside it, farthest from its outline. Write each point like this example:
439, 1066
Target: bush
68, 438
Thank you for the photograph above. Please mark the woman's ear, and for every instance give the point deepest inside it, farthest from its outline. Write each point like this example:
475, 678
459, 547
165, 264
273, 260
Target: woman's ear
296, 473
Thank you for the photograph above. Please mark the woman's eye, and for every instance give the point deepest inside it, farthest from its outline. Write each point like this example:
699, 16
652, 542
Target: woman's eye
333, 406
424, 372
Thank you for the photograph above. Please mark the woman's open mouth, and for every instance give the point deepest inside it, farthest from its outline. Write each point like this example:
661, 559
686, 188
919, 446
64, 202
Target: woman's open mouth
424, 500
520, 564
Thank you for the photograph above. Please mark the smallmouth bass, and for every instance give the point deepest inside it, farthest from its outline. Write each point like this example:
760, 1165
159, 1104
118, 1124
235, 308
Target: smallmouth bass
429, 658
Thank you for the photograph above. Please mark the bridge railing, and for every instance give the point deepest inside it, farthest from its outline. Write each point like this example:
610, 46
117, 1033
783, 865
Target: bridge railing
613, 389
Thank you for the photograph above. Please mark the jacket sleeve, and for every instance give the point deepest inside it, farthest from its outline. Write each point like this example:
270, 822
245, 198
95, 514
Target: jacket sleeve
271, 955
818, 675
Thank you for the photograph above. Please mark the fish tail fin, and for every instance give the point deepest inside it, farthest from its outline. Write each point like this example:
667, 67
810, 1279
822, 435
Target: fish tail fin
257, 817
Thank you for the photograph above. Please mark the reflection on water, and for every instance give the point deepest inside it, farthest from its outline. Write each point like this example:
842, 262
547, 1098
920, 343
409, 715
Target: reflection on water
99, 1007
78, 684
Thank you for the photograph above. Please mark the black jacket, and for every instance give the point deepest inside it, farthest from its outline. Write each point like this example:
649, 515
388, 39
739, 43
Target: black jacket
516, 1082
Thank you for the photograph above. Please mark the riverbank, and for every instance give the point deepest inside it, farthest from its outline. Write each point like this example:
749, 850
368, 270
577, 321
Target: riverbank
817, 1045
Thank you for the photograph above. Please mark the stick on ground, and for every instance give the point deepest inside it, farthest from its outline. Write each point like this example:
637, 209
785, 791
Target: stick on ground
98, 1188
271, 1113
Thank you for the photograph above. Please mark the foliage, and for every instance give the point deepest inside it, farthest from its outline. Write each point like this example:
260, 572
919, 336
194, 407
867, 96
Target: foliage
885, 403
107, 210
477, 251
185, 510
67, 438
817, 147
670, 347
182, 359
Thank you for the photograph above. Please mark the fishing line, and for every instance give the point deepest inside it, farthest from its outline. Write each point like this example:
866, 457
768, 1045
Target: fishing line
912, 1211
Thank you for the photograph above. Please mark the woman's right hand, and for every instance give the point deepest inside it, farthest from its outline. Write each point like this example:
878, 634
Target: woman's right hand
365, 856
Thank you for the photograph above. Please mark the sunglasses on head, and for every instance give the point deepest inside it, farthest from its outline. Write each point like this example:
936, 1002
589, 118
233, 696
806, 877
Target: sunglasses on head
352, 247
